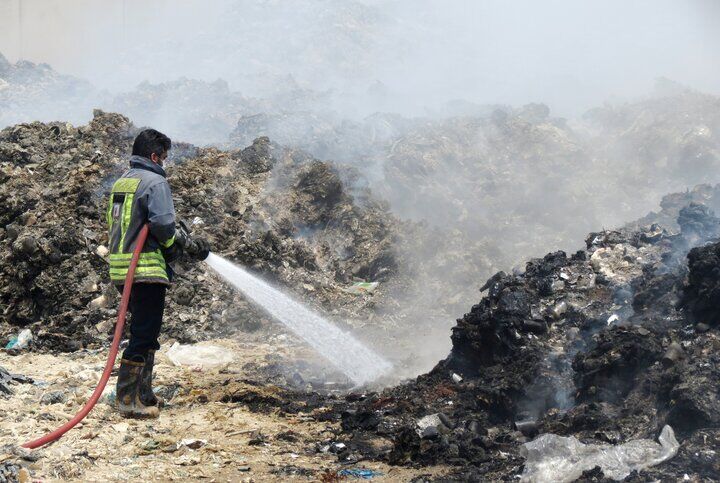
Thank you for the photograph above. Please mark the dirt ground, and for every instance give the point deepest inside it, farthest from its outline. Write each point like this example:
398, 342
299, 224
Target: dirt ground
107, 447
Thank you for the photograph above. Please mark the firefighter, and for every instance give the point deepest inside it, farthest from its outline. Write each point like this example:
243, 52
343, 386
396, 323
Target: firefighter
142, 196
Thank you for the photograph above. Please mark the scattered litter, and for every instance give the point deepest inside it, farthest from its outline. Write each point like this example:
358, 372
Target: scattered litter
199, 356
121, 427
337, 448
109, 396
9, 472
363, 473
257, 439
23, 476
431, 426
193, 443
673, 354
21, 341
6, 378
361, 288
98, 303
167, 393
457, 378
53, 397
563, 459
528, 428
559, 310
150, 445
613, 318
187, 460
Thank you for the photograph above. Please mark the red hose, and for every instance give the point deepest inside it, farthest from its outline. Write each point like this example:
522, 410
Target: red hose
119, 325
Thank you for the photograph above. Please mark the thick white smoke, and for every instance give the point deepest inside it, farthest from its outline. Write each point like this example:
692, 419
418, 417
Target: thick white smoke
499, 184
399, 55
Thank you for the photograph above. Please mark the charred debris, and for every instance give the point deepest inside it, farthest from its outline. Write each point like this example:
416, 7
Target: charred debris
607, 344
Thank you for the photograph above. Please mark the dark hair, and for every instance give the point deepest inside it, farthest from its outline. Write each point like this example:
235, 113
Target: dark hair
151, 141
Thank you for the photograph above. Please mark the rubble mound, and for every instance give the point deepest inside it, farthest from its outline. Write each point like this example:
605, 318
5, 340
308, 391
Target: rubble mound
702, 296
293, 219
565, 347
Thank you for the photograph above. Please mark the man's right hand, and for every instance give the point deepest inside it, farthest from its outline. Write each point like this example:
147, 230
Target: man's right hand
198, 248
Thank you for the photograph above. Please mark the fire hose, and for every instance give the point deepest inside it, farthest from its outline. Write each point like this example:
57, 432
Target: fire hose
119, 326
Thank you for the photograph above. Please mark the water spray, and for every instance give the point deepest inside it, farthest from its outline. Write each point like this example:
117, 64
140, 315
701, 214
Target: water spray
340, 348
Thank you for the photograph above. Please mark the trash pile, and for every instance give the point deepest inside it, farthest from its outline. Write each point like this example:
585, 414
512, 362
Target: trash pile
312, 226
285, 215
594, 348
593, 351
540, 182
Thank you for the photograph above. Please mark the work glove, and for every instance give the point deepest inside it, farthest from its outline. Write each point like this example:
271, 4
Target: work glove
197, 248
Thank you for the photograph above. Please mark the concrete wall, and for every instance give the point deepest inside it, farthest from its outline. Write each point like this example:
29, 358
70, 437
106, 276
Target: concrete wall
64, 33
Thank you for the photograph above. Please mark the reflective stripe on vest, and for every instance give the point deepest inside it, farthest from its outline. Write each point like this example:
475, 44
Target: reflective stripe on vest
151, 265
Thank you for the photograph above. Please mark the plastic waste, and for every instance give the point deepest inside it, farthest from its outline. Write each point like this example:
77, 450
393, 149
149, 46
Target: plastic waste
563, 459
360, 288
192, 443
364, 473
199, 356
109, 397
430, 426
21, 341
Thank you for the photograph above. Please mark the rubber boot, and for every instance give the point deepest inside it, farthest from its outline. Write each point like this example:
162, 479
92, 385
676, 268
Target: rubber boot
147, 395
128, 390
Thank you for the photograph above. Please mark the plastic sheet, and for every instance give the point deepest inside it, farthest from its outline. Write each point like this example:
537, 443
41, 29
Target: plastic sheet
361, 288
199, 356
361, 473
563, 459
22, 341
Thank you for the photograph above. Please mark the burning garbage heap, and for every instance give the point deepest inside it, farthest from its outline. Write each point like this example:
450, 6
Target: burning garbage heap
521, 167
608, 344
289, 217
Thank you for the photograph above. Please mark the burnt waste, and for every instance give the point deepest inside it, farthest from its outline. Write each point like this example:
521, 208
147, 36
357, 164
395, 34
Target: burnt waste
608, 344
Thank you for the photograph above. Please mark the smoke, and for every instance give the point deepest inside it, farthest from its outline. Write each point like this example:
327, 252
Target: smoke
398, 56
423, 97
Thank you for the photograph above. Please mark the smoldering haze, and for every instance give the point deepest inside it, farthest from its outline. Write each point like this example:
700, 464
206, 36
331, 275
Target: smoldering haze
299, 70
397, 56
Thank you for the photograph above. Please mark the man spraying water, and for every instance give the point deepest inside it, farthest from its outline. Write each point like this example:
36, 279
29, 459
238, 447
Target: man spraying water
142, 196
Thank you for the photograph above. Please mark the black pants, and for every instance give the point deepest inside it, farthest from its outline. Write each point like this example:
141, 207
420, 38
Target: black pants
147, 304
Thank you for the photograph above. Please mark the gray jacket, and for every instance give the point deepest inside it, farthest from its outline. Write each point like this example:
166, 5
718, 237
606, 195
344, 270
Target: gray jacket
141, 195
